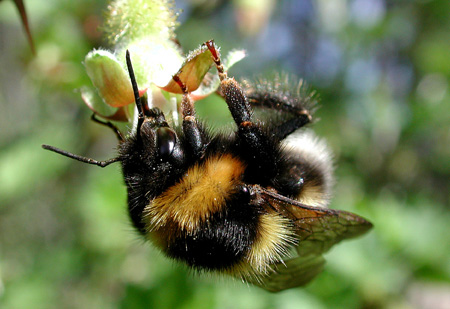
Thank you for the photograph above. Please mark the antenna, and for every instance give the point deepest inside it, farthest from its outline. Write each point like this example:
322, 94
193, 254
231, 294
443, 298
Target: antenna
81, 158
137, 98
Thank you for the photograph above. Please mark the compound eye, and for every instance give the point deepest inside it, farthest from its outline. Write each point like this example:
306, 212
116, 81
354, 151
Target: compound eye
166, 141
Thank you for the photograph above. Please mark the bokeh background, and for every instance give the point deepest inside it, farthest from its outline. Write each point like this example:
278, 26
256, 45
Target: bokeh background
382, 71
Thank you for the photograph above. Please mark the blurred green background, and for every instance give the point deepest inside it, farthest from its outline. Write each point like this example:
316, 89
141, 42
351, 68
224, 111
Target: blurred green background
382, 70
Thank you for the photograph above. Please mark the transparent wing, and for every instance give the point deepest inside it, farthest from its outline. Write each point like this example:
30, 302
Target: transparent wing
291, 273
317, 228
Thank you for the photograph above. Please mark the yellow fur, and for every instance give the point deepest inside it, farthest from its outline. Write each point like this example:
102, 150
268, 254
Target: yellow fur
201, 192
274, 236
313, 195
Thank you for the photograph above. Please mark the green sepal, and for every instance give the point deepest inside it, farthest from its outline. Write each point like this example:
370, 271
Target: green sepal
109, 77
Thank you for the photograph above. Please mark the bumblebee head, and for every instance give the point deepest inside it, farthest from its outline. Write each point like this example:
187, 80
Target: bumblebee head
150, 156
158, 141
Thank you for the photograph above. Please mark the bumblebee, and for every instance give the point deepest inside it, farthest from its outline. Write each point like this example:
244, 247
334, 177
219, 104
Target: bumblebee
251, 204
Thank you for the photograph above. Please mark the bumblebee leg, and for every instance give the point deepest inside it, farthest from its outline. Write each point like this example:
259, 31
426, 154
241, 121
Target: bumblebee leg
258, 146
294, 116
191, 128
289, 126
295, 113
237, 101
278, 96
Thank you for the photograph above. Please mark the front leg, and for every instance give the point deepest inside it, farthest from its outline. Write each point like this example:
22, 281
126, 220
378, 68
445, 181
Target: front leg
234, 95
196, 138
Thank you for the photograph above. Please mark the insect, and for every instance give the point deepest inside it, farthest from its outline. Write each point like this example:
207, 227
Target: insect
247, 204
